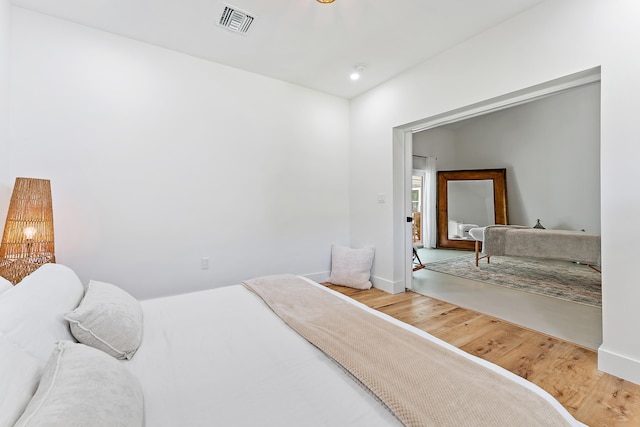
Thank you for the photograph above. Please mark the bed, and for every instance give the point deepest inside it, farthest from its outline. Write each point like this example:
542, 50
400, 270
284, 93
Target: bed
275, 350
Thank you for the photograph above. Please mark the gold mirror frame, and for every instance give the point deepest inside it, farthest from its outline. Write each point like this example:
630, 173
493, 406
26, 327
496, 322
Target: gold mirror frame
499, 178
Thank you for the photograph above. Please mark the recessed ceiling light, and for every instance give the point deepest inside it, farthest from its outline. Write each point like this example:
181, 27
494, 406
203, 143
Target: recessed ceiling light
357, 71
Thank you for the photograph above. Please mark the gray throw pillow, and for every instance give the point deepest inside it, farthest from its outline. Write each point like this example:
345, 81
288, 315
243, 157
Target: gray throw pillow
82, 386
109, 319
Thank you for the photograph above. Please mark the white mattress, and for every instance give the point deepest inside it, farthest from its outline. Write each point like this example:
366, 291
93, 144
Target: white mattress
222, 357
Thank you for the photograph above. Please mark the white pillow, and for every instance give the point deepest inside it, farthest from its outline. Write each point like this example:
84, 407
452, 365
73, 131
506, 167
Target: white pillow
31, 312
19, 376
5, 285
108, 318
82, 386
351, 267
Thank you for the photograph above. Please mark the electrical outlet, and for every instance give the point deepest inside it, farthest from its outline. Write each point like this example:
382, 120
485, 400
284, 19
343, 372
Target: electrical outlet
204, 263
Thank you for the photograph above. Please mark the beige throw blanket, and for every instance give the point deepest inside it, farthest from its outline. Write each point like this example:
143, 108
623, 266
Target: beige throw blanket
422, 383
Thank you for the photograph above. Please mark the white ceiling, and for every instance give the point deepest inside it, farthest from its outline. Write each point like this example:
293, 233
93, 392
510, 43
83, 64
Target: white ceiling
300, 41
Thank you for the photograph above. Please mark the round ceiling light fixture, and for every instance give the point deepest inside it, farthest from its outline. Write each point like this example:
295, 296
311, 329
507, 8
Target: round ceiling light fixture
357, 70
325, 1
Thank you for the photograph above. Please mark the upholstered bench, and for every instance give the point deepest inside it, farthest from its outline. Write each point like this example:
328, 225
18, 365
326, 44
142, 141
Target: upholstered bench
520, 241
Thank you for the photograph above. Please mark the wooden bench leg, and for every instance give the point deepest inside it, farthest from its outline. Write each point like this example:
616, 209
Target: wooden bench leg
477, 250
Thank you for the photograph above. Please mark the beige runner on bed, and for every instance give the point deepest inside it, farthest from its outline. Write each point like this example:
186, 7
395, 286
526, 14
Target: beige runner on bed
422, 383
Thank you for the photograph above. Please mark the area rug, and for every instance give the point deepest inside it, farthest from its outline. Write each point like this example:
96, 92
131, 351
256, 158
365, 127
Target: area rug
564, 280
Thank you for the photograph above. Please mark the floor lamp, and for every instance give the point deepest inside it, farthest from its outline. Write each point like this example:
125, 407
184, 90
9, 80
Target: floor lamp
27, 241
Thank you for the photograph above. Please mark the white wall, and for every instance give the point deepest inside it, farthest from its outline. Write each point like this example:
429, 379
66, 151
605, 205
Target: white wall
436, 142
157, 159
5, 48
550, 148
554, 39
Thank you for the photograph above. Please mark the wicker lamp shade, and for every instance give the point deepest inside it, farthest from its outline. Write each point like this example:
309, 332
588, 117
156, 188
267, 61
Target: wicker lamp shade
27, 241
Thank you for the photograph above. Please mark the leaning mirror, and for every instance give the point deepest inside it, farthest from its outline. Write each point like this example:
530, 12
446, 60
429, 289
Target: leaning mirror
467, 199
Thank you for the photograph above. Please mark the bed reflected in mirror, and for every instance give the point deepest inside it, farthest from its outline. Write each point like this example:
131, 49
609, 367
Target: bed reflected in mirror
470, 204
468, 199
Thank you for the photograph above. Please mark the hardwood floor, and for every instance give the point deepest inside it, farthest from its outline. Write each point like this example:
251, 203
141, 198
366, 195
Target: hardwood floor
568, 372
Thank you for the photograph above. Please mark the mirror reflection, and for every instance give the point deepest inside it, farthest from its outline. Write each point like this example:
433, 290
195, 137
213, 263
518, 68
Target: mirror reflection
470, 204
468, 199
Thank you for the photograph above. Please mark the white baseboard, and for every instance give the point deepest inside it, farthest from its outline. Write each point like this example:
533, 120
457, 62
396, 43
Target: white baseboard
387, 285
382, 284
618, 365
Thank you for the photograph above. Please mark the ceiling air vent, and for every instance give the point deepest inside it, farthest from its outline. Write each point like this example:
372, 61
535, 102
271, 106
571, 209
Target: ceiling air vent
235, 19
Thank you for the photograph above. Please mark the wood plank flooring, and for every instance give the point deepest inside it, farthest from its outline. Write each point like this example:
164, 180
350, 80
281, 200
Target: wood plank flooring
568, 372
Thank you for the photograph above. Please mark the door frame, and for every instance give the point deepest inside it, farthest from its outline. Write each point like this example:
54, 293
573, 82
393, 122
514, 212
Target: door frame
422, 174
403, 162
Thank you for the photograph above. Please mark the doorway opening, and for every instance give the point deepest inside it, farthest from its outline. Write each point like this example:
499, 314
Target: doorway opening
405, 138
417, 207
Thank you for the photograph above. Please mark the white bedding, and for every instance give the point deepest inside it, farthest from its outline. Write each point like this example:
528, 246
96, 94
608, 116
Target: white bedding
221, 357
